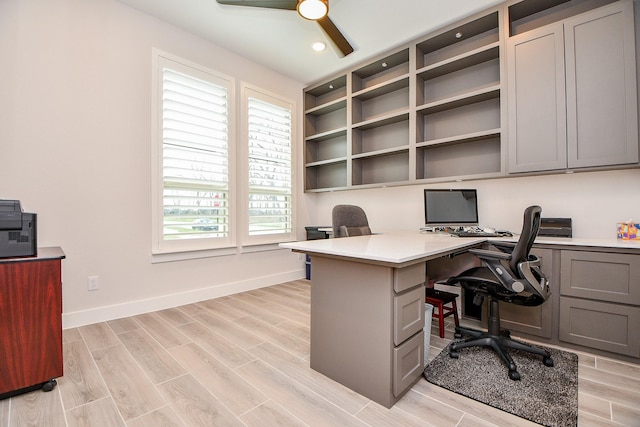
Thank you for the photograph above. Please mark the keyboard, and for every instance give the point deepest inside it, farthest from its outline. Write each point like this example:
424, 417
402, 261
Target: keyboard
479, 234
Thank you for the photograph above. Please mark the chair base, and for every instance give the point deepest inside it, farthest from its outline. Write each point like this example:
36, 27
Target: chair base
498, 340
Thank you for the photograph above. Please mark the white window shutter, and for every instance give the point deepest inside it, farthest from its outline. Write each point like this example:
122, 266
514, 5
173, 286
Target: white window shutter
195, 157
269, 167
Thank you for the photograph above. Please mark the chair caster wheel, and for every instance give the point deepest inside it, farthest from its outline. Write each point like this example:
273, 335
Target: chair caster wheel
453, 354
457, 335
49, 385
514, 375
547, 361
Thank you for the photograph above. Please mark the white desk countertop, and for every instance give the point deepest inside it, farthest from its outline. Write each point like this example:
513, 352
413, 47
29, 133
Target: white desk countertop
406, 246
394, 247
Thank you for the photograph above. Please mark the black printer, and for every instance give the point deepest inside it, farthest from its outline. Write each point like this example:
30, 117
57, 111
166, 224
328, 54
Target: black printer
17, 231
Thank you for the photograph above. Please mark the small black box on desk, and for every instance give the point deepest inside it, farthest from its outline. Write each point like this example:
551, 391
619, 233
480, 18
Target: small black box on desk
555, 227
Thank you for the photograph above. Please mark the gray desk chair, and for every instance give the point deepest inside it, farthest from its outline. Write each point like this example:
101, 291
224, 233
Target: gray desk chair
349, 220
513, 276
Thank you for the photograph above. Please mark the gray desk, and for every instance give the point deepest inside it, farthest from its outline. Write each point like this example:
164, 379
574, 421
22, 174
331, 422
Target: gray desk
367, 308
367, 302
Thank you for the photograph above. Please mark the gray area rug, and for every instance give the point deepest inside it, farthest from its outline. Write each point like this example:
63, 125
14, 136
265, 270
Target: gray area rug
544, 395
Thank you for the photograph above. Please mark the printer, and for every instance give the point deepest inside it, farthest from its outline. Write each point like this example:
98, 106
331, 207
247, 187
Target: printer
17, 231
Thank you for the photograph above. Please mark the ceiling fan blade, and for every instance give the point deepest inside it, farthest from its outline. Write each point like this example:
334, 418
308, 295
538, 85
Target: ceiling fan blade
270, 4
335, 35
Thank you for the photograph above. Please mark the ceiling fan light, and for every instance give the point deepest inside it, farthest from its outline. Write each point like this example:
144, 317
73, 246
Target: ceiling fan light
319, 46
313, 9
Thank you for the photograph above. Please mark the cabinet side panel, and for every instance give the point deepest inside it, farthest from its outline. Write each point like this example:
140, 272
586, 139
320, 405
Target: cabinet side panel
352, 325
31, 319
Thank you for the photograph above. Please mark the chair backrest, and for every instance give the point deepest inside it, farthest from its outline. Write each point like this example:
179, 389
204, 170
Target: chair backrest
530, 227
349, 216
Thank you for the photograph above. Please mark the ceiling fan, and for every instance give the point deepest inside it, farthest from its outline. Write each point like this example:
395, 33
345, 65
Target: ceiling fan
313, 10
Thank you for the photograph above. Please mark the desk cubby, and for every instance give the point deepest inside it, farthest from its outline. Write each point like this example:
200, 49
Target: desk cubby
326, 175
328, 146
474, 156
380, 72
383, 167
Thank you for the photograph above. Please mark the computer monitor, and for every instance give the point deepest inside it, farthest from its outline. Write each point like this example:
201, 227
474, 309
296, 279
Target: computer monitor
450, 208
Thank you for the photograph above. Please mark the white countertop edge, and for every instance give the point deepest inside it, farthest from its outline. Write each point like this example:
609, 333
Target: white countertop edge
399, 247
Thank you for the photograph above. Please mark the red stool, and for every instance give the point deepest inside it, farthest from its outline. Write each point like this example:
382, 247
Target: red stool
438, 299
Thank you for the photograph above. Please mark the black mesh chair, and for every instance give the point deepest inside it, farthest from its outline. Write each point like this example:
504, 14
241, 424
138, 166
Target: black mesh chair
349, 220
512, 276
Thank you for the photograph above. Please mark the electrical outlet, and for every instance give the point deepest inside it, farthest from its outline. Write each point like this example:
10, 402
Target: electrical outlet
92, 283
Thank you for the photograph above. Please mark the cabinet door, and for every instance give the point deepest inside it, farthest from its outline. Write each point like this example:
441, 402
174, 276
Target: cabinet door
602, 325
601, 276
601, 87
536, 97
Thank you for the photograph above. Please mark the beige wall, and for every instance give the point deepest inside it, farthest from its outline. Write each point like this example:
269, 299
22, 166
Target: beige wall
594, 200
75, 126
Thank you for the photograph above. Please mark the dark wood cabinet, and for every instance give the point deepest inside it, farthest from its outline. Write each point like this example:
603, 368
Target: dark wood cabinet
30, 321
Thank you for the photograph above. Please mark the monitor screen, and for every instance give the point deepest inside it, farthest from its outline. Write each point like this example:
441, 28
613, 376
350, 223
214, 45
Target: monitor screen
451, 207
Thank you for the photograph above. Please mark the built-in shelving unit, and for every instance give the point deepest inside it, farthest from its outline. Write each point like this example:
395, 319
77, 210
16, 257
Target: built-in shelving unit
415, 114
433, 110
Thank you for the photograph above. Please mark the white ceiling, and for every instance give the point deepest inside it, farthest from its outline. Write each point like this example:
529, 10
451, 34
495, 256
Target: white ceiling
281, 40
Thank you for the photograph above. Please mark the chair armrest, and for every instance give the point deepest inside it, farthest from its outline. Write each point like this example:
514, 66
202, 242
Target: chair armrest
494, 255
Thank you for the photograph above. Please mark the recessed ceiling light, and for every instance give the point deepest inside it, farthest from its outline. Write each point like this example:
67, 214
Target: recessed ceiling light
319, 46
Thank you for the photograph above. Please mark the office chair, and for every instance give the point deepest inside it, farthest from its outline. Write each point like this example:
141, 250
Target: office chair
349, 220
513, 277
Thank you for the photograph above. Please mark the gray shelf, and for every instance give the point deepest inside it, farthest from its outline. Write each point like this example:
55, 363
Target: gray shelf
474, 97
460, 62
328, 107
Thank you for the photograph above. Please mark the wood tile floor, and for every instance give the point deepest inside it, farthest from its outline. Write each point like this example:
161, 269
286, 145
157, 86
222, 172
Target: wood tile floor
242, 360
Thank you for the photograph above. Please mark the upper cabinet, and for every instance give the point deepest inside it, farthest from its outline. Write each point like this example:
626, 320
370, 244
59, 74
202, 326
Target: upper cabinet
572, 90
529, 86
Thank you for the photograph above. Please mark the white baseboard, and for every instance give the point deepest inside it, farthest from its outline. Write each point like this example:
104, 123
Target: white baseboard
132, 308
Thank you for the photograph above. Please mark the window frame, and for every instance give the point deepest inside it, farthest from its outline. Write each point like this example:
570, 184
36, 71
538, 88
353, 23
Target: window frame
211, 246
247, 90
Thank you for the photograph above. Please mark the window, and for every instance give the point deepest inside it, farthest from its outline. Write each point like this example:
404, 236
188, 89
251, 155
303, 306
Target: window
192, 168
269, 200
197, 206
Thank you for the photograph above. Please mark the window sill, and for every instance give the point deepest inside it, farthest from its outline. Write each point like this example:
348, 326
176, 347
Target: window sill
188, 255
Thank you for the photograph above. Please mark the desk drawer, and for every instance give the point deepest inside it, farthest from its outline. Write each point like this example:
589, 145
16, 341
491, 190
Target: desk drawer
602, 276
408, 277
408, 363
408, 312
